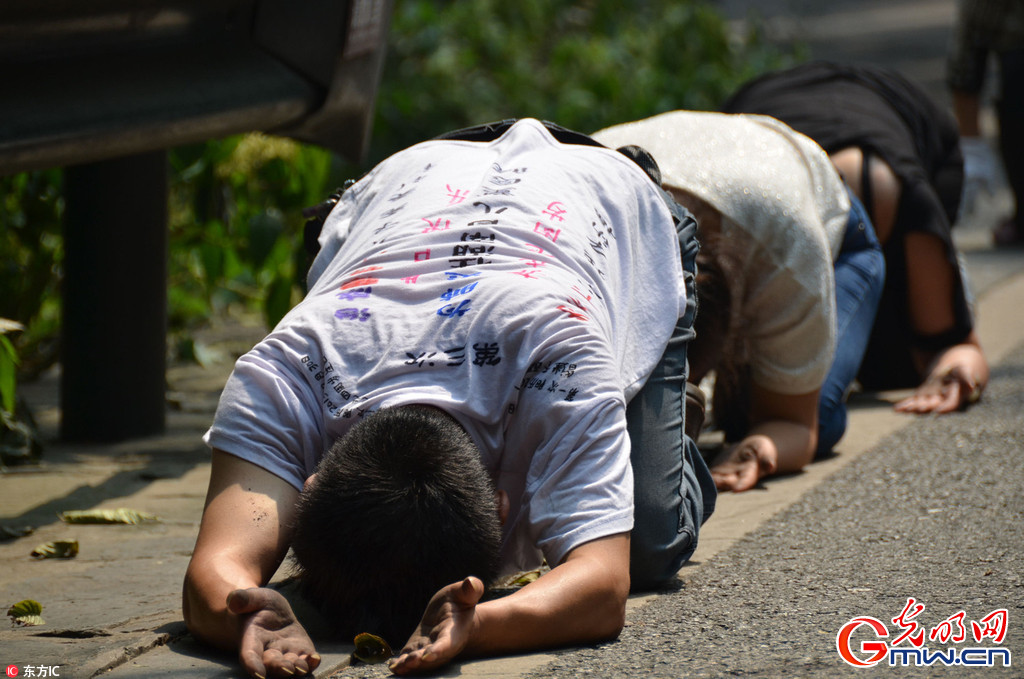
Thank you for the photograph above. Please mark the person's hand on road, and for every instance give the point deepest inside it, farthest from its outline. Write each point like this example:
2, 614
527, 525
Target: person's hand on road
273, 643
445, 629
956, 380
941, 394
740, 466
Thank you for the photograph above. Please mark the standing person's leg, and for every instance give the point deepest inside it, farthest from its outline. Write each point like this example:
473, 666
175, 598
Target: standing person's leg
859, 279
673, 490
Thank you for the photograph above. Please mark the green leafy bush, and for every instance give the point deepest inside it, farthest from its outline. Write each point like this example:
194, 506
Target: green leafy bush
31, 254
19, 439
582, 64
236, 224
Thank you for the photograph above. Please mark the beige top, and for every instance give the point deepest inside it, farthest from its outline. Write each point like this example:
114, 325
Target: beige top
784, 210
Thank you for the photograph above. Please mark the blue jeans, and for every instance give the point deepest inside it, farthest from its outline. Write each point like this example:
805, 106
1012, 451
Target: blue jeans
673, 490
859, 276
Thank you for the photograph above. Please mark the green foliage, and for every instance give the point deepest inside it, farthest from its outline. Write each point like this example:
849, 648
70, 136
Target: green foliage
19, 440
582, 64
235, 236
8, 367
31, 253
236, 224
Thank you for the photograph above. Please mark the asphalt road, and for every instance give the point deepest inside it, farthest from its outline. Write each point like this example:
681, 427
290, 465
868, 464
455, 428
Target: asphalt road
934, 513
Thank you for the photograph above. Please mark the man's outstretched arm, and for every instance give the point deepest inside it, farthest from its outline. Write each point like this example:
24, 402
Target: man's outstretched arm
243, 537
582, 600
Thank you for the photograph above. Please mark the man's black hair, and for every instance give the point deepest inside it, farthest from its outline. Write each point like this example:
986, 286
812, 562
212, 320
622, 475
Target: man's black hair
401, 506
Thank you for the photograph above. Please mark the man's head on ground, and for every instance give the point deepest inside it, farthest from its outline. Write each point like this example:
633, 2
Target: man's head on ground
399, 507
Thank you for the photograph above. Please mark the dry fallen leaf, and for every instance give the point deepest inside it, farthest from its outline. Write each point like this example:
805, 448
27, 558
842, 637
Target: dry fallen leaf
521, 579
26, 613
121, 515
58, 549
526, 578
371, 649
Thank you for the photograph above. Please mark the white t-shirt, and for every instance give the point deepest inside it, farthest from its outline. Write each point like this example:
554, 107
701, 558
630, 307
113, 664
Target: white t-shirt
784, 210
524, 286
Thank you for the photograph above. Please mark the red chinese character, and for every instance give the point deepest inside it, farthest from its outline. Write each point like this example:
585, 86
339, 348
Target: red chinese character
572, 312
950, 629
409, 280
992, 626
360, 282
911, 629
535, 248
456, 196
577, 303
579, 292
421, 256
555, 210
436, 225
527, 273
550, 234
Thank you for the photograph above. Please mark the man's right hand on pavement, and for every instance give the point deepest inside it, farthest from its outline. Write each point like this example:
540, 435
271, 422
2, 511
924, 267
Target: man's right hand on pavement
273, 643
